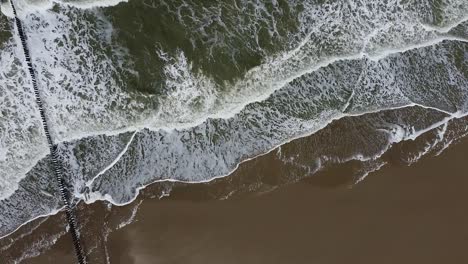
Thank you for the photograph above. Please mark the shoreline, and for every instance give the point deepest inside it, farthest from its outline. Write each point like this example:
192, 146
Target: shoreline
105, 198
241, 185
396, 206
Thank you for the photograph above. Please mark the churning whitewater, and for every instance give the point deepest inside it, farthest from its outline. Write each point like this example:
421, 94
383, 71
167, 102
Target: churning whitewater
129, 108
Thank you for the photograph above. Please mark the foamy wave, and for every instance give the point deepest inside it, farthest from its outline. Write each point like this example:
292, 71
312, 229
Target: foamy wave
25, 7
22, 142
217, 146
191, 97
347, 59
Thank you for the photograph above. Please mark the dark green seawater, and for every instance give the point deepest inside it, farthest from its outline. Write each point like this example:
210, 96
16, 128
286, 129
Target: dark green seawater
222, 39
5, 30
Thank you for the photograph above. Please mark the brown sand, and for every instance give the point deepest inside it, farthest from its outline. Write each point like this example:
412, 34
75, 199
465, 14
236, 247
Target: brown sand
399, 214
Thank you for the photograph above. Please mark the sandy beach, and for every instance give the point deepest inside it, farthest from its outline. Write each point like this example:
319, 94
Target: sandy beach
402, 214
399, 214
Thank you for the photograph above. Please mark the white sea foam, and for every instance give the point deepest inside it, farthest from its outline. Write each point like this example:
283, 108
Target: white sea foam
84, 99
282, 127
229, 114
25, 7
258, 84
396, 134
90, 182
22, 142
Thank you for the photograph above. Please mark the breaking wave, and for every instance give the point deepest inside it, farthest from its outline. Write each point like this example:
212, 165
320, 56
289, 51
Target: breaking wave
338, 60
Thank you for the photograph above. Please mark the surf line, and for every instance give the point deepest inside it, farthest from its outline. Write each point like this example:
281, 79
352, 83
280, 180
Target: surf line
54, 157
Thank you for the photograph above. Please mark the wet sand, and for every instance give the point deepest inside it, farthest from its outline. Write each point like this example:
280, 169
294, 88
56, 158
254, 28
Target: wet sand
399, 214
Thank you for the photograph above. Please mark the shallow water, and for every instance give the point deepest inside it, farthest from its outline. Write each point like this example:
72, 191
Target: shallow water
278, 201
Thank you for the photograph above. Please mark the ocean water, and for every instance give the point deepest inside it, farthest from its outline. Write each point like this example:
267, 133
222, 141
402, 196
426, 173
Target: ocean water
144, 91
